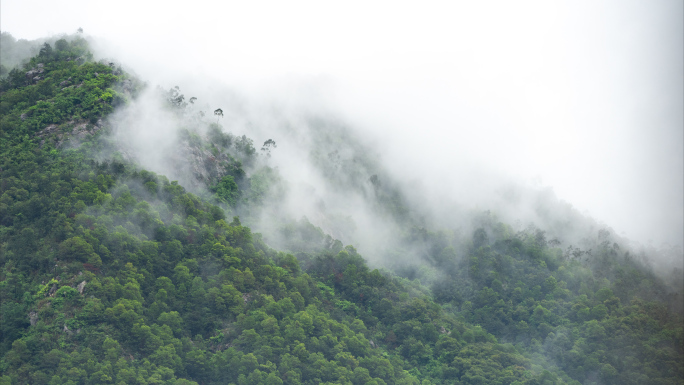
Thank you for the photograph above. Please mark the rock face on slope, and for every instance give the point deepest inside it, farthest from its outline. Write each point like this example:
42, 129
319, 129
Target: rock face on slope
75, 131
33, 75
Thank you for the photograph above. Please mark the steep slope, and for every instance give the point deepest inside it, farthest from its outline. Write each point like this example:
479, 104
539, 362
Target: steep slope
113, 274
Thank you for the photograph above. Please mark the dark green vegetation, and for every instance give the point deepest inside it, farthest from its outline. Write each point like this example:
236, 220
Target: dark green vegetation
113, 274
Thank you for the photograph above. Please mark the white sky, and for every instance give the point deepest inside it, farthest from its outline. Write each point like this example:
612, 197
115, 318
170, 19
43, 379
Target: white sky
585, 95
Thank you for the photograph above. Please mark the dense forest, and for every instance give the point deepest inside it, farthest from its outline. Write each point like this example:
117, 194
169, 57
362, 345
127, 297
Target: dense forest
115, 274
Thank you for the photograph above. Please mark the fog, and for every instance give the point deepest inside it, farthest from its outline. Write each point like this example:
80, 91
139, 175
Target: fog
454, 103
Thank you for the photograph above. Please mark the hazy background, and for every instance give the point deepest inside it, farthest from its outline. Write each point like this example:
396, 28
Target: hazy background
585, 97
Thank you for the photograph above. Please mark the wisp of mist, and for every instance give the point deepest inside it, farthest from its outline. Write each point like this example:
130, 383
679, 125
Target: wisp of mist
534, 111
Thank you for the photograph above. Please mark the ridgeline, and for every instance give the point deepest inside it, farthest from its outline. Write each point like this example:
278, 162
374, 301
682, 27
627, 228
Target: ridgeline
113, 274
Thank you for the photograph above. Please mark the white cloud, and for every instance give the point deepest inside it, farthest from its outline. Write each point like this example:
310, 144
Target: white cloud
587, 96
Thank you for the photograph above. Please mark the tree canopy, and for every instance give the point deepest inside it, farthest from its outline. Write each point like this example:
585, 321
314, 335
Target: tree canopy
111, 273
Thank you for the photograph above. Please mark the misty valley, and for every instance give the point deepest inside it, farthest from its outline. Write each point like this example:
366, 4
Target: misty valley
149, 236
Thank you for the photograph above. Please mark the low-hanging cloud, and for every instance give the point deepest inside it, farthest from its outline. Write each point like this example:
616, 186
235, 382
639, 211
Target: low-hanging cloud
452, 102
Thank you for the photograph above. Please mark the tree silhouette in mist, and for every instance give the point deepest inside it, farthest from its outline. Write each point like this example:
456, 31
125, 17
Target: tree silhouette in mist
218, 112
266, 148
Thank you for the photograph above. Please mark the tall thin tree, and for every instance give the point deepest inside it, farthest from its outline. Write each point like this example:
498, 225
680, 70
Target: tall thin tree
218, 112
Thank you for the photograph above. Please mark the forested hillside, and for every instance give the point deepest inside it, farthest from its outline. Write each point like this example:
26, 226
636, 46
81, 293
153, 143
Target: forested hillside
114, 274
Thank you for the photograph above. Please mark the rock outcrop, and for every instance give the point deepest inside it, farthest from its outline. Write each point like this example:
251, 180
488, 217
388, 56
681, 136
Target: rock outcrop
33, 75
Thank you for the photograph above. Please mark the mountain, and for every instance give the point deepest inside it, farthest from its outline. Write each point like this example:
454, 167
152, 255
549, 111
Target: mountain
128, 263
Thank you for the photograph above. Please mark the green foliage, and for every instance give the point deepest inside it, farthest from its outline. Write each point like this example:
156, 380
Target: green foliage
227, 190
566, 314
113, 274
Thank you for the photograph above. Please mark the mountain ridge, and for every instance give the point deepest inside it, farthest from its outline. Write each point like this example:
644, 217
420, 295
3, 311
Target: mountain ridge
177, 293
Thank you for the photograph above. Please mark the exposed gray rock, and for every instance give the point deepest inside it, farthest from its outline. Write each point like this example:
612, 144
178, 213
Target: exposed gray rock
49, 130
32, 75
79, 130
127, 86
81, 287
33, 318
